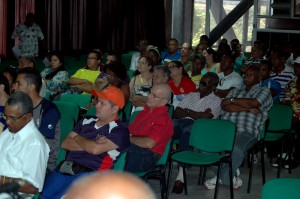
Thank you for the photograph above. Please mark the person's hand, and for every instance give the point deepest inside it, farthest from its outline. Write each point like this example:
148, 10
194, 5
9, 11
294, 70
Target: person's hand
208, 110
73, 134
101, 140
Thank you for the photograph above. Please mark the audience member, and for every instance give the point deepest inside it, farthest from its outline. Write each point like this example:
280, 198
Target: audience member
186, 50
150, 131
55, 77
273, 85
199, 49
173, 53
142, 51
155, 55
204, 40
141, 83
161, 74
11, 74
180, 82
29, 61
106, 185
95, 144
203, 104
239, 55
28, 34
198, 63
45, 114
229, 79
286, 49
211, 61
82, 80
4, 95
281, 73
292, 96
23, 150
112, 56
248, 109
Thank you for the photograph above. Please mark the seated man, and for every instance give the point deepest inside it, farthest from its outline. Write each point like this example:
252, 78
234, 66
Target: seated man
84, 78
229, 79
95, 143
248, 109
23, 150
273, 85
203, 104
150, 131
106, 185
46, 116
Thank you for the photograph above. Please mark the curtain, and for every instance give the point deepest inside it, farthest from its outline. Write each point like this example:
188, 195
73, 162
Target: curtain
3, 27
54, 25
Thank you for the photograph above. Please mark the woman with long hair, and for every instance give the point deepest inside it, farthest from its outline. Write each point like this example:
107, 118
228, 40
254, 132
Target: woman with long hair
55, 77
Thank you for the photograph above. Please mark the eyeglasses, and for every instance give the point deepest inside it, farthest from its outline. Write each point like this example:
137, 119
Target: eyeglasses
12, 118
156, 96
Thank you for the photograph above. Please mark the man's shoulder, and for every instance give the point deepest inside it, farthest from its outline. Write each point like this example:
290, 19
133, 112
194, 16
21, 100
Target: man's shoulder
48, 105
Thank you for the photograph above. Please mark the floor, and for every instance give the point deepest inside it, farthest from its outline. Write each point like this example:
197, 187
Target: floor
199, 191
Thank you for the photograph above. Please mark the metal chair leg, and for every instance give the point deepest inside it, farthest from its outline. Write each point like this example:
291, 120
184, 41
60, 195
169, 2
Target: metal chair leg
185, 181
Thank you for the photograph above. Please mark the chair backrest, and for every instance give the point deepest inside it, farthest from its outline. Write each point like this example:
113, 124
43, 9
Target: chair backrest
280, 116
120, 164
278, 188
213, 135
91, 111
164, 158
68, 108
66, 126
171, 110
133, 115
81, 99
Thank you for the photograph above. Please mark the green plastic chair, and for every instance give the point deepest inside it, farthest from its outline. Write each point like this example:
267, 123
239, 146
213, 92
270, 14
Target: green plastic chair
215, 138
81, 99
126, 60
120, 164
280, 117
91, 111
68, 108
259, 146
66, 126
287, 188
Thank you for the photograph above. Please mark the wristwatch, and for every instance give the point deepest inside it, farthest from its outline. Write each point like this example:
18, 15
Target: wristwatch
232, 100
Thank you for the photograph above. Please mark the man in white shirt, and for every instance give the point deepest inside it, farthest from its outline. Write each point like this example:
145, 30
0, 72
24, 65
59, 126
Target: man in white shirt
23, 150
228, 78
142, 50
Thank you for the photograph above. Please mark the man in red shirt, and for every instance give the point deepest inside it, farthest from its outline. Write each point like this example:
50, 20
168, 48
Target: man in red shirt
150, 131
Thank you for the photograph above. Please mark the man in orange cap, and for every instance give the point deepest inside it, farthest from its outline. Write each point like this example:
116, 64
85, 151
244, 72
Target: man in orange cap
86, 152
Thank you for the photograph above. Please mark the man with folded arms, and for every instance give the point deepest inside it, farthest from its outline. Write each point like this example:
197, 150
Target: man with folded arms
95, 143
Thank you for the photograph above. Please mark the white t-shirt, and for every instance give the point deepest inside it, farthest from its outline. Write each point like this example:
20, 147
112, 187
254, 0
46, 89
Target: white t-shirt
229, 81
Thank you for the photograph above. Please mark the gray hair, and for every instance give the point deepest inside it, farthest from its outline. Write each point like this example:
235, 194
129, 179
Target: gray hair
22, 100
164, 69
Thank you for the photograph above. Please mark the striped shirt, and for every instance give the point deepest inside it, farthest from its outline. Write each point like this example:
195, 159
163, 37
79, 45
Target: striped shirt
283, 78
247, 122
193, 102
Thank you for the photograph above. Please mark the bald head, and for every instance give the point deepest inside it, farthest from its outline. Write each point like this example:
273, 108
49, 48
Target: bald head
165, 90
110, 185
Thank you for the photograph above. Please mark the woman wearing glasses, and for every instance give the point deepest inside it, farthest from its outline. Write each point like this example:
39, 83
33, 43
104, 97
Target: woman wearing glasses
180, 82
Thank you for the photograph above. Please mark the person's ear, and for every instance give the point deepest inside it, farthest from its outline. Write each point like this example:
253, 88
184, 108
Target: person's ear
115, 109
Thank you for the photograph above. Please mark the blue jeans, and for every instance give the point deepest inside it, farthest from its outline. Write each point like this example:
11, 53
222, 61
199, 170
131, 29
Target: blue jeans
182, 131
140, 159
57, 184
243, 142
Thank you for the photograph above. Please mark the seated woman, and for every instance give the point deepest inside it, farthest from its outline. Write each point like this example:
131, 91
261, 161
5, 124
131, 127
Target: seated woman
55, 77
180, 82
141, 83
211, 62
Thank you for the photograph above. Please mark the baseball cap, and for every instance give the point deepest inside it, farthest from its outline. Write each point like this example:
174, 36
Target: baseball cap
113, 94
297, 60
